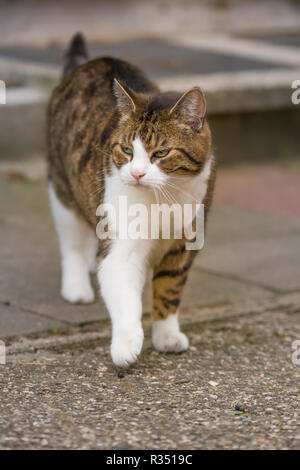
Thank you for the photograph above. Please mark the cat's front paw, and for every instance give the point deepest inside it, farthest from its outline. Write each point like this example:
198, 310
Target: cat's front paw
78, 293
126, 346
167, 337
170, 342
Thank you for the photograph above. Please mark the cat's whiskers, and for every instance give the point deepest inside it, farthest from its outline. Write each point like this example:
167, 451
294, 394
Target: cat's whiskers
171, 198
102, 172
102, 188
177, 188
97, 192
172, 193
155, 194
165, 195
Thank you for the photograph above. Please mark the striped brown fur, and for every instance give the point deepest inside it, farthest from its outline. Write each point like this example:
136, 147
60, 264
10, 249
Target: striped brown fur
90, 120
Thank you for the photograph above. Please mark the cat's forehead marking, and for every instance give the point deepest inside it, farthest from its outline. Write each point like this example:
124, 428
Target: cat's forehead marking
139, 151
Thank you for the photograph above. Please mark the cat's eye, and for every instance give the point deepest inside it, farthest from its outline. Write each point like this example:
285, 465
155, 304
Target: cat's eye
127, 150
161, 153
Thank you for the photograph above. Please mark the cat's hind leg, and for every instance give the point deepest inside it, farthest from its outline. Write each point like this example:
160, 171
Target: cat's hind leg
168, 281
166, 335
78, 246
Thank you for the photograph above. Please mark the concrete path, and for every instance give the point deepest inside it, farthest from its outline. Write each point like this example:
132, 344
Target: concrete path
236, 388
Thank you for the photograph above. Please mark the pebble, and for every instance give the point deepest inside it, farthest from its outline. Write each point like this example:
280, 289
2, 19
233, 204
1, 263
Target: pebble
239, 408
213, 384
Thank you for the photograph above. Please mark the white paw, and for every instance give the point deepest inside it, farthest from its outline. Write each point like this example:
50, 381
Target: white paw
78, 293
170, 342
167, 337
126, 346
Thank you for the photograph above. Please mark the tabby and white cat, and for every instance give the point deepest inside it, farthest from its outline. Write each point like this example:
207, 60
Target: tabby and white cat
111, 132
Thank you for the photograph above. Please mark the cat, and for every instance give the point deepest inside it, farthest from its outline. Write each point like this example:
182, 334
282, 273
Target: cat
111, 132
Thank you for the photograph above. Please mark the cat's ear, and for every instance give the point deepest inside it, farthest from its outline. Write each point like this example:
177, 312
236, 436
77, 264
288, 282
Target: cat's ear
127, 99
191, 108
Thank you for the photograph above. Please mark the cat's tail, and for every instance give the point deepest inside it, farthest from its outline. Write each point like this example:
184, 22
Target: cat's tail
76, 54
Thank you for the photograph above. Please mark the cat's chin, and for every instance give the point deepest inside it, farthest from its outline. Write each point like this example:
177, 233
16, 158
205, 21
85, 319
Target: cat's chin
138, 185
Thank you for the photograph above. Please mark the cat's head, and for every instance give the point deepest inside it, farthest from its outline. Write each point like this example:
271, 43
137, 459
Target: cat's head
160, 136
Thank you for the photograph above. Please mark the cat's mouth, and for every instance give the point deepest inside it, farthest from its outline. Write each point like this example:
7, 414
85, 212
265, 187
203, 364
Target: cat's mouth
141, 185
138, 184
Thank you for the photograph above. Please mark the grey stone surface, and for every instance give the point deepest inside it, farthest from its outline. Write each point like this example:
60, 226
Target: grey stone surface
15, 321
30, 275
22, 129
208, 289
30, 265
260, 248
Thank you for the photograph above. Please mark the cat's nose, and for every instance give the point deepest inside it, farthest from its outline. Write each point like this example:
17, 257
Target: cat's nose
137, 174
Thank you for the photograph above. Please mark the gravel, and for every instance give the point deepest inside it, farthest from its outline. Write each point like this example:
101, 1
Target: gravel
237, 388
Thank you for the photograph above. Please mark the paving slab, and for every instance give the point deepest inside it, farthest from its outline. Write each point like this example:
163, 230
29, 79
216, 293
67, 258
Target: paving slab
241, 222
30, 263
257, 247
22, 127
15, 321
207, 289
273, 263
260, 193
30, 275
251, 246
